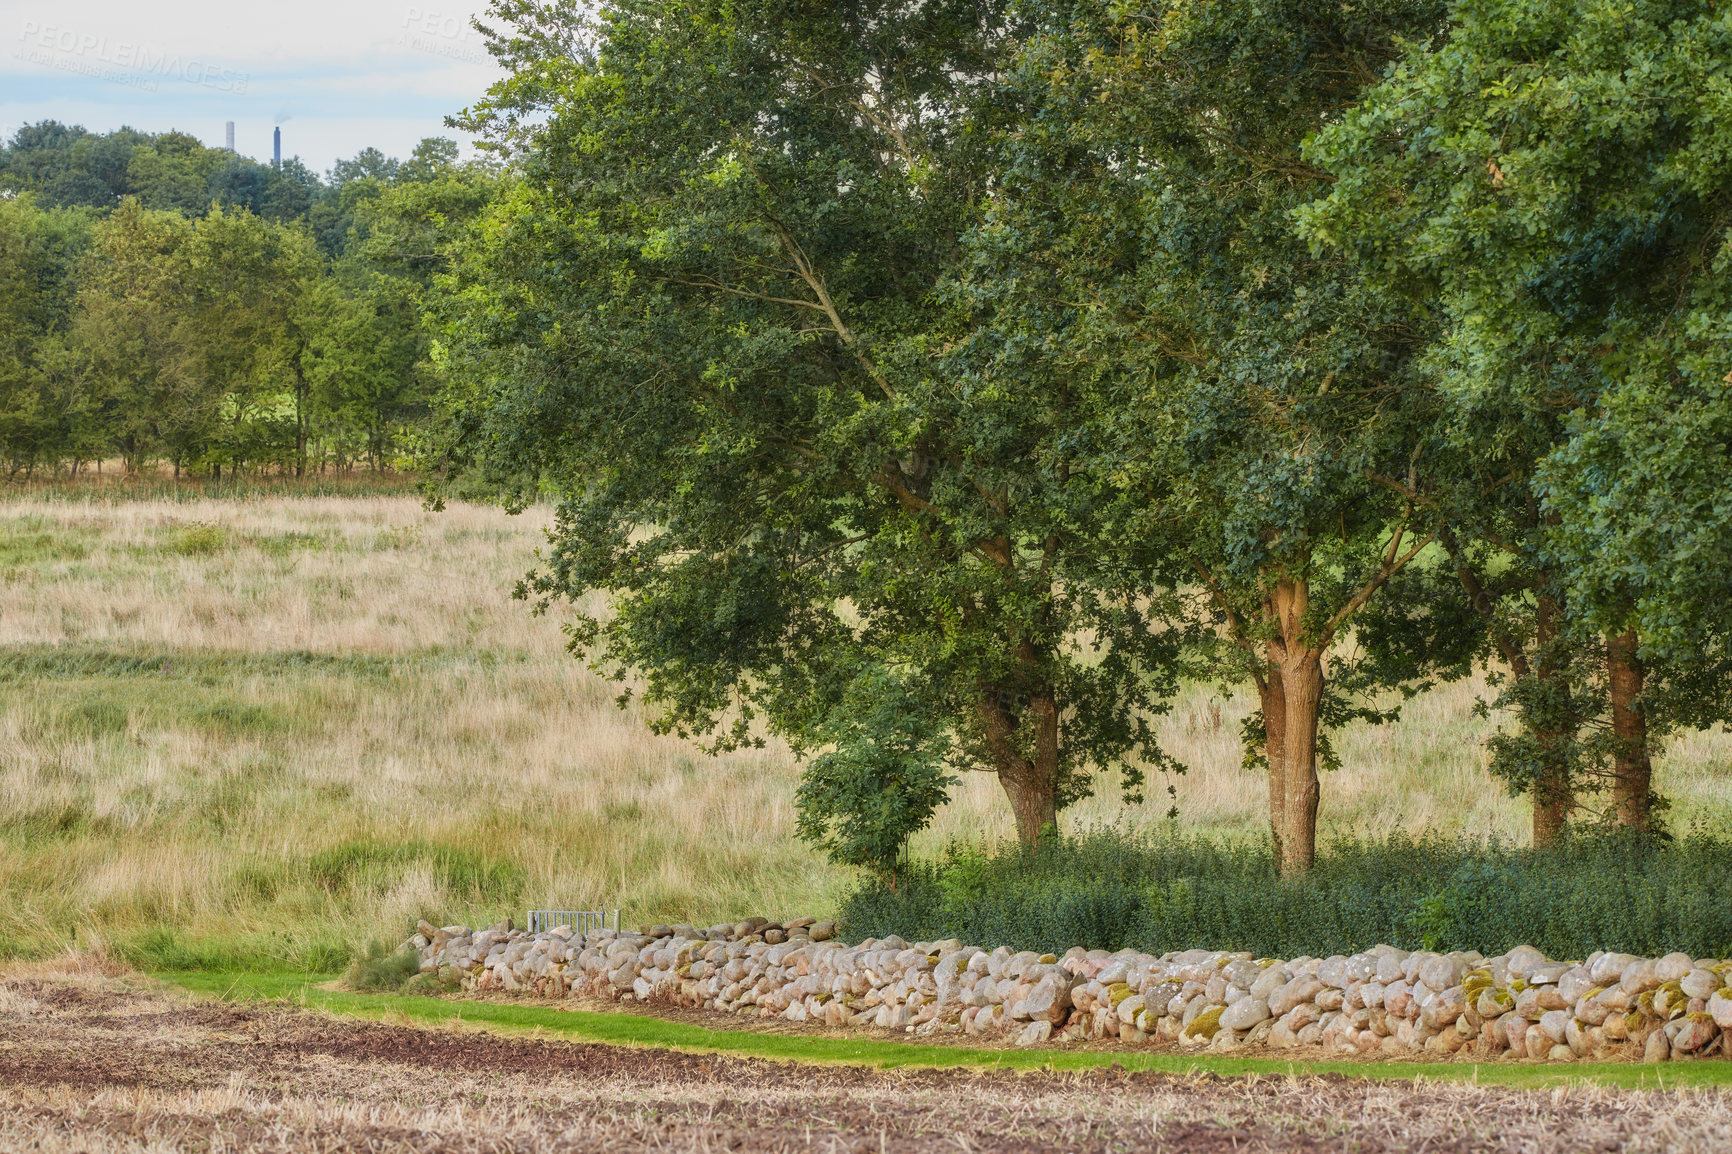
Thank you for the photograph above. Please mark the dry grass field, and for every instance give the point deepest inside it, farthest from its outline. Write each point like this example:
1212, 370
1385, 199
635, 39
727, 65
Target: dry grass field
263, 729
102, 1060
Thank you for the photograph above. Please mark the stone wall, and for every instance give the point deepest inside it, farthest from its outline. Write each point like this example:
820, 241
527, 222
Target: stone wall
1385, 1002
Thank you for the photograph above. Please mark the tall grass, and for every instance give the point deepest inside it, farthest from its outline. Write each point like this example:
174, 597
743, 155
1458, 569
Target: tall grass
1167, 890
272, 725
325, 721
160, 484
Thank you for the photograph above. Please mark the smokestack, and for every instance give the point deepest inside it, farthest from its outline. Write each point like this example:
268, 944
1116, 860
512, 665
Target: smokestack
229, 136
277, 147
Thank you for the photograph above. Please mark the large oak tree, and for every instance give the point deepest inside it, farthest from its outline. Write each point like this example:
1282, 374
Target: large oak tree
1256, 395
711, 321
1554, 174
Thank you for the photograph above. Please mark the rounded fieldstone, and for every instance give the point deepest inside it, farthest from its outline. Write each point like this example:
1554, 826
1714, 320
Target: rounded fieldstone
1638, 977
1701, 983
1244, 1013
1442, 973
1333, 972
1673, 966
1698, 1031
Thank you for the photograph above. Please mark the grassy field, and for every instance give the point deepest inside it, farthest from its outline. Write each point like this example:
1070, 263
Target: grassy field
258, 728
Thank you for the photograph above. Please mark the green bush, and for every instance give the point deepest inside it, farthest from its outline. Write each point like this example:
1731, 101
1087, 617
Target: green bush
375, 968
199, 540
1169, 891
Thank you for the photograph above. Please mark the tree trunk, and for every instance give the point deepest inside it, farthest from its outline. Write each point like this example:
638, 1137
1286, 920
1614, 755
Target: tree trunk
1274, 702
1551, 809
1553, 798
1301, 673
1032, 801
1031, 785
1632, 772
1302, 681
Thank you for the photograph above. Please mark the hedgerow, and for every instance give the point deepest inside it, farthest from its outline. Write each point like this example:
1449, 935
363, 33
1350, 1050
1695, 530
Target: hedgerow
1165, 891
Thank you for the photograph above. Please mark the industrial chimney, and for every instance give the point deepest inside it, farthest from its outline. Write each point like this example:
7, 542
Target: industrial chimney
277, 147
229, 137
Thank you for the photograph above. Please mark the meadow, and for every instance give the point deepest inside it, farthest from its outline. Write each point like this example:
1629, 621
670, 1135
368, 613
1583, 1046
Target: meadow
264, 726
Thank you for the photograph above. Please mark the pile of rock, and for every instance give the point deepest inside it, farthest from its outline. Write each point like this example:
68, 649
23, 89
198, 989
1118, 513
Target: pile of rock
1383, 1002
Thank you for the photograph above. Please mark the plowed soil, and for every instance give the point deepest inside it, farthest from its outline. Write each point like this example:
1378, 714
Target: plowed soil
106, 1061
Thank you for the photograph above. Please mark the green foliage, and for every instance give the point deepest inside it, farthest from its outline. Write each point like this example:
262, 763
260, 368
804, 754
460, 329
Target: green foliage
861, 801
721, 341
1169, 891
1549, 180
199, 540
378, 970
181, 304
43, 413
1250, 395
164, 948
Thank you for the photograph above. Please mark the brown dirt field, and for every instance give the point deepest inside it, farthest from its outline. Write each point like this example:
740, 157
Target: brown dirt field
99, 1060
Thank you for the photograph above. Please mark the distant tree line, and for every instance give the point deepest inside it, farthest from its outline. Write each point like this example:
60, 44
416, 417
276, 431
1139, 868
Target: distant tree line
939, 383
162, 302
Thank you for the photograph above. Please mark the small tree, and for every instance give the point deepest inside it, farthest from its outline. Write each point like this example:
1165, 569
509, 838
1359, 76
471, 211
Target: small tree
879, 784
42, 420
133, 346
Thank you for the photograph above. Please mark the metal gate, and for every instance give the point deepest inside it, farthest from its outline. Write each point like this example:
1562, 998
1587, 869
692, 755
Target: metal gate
583, 921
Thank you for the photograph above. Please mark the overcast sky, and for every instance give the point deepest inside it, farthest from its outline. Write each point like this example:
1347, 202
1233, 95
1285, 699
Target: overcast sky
337, 75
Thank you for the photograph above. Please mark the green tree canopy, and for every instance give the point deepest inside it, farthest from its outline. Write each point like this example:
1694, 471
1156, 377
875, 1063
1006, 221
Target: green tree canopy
1554, 174
42, 419
1254, 396
230, 315
710, 318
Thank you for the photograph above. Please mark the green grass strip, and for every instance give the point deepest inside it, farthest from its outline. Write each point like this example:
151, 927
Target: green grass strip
637, 1030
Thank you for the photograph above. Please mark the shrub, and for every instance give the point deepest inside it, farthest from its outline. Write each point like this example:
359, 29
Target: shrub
377, 969
199, 540
1169, 891
880, 783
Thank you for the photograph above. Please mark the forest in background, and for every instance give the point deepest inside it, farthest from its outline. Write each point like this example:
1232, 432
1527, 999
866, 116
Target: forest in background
167, 303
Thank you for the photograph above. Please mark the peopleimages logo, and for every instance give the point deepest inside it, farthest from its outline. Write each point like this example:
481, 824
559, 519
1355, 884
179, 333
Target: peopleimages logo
120, 62
442, 34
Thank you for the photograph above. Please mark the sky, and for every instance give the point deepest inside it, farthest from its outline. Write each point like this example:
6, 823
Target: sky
336, 75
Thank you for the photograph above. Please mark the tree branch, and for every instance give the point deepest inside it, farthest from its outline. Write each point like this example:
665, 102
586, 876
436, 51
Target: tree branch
1385, 571
804, 270
707, 283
